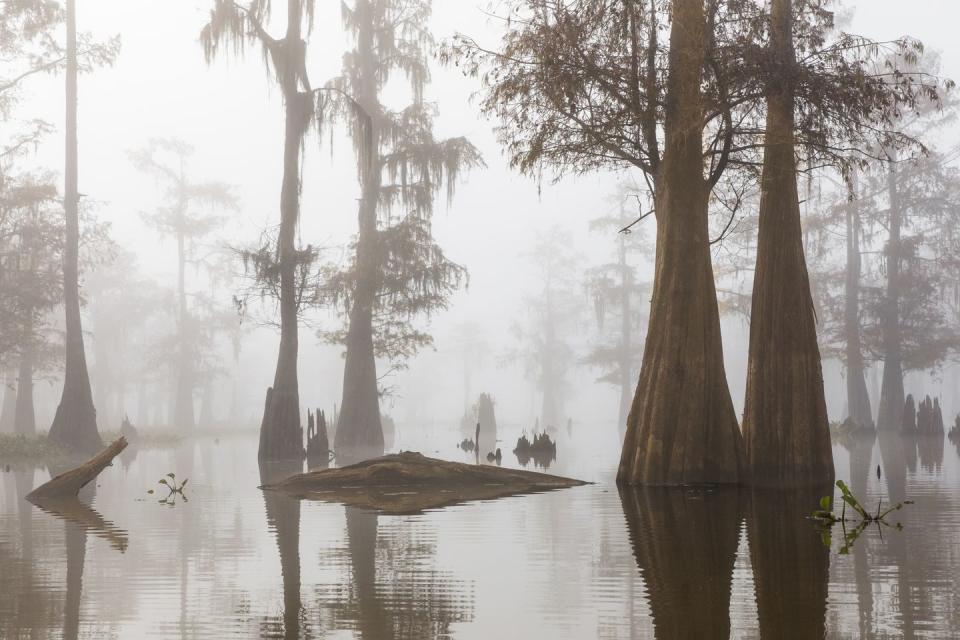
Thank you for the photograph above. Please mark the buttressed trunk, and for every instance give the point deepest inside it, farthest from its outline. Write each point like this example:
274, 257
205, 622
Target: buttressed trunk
281, 436
75, 423
785, 425
858, 400
359, 431
682, 428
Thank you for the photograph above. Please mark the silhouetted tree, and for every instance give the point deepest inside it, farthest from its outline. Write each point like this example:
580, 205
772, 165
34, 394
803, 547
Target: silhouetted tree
544, 335
75, 423
236, 25
186, 214
397, 272
615, 287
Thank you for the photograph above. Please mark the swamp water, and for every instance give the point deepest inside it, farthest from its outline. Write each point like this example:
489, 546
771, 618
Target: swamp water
586, 562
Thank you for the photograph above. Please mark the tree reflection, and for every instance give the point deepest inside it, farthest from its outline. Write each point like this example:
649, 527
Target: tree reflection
393, 592
791, 566
283, 518
685, 543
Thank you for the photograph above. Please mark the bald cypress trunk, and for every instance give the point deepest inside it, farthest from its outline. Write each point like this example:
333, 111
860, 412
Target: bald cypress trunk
75, 423
682, 427
359, 428
25, 422
858, 400
890, 412
281, 436
785, 427
8, 410
183, 416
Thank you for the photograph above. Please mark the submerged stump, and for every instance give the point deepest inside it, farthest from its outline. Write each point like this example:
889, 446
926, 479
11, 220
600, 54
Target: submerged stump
410, 482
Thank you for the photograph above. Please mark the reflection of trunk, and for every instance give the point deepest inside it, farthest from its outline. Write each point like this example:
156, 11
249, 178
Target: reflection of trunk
281, 436
895, 452
75, 423
682, 427
24, 420
359, 426
858, 401
374, 621
890, 413
785, 428
283, 517
687, 577
791, 566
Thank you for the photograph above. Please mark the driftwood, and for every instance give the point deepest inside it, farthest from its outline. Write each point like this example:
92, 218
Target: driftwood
69, 483
411, 482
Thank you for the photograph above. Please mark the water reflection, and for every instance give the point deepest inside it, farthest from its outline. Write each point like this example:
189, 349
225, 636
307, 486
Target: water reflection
588, 562
283, 519
687, 574
791, 565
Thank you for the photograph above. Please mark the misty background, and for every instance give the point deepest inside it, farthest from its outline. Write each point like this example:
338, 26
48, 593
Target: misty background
231, 114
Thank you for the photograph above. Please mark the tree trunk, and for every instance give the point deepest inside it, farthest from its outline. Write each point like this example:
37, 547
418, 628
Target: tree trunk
359, 431
858, 400
8, 411
890, 412
183, 416
785, 427
75, 423
682, 427
25, 422
69, 483
281, 436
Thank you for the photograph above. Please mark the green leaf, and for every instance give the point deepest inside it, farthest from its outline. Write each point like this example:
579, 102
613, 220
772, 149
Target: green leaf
162, 481
150, 491
825, 503
171, 475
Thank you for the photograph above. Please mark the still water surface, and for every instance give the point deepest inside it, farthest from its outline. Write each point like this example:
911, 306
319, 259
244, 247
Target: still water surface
587, 562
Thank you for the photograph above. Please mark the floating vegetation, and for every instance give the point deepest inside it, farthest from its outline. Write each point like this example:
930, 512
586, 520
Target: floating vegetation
173, 489
863, 519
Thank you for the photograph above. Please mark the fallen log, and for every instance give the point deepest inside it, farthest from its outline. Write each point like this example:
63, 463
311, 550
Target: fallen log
69, 483
410, 482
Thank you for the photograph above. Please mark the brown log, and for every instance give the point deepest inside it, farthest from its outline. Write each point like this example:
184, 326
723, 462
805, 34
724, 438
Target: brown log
69, 483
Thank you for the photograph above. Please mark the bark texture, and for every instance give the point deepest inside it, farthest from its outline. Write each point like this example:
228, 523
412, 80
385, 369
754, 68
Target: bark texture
75, 423
858, 400
785, 427
281, 434
682, 428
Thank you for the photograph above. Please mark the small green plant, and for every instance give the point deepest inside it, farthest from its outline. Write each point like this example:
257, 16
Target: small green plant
173, 489
864, 518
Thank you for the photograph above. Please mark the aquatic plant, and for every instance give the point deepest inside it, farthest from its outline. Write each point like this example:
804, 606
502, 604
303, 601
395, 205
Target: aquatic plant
173, 489
864, 518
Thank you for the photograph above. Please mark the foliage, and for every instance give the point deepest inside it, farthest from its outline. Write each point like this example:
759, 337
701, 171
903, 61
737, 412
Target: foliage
173, 490
402, 168
19, 450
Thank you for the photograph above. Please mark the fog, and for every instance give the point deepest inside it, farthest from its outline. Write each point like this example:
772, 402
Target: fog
231, 114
